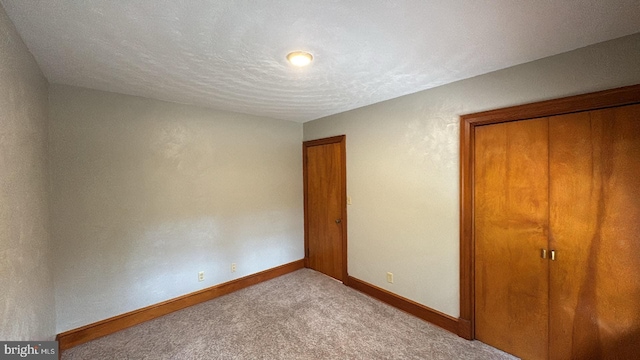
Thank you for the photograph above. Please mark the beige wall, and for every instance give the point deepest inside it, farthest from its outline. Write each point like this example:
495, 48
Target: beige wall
145, 194
403, 164
26, 276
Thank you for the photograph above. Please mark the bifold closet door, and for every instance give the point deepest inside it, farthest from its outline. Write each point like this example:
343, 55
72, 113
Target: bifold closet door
595, 231
511, 222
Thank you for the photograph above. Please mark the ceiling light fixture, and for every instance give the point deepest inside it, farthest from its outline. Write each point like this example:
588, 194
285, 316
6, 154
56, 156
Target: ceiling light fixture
299, 58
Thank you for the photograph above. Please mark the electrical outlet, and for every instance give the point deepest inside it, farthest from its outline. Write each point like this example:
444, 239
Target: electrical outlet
233, 267
390, 278
201, 276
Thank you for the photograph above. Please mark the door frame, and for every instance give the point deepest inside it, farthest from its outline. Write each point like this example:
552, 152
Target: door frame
340, 139
592, 101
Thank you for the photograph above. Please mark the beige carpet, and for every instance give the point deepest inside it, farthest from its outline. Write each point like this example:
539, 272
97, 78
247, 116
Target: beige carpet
302, 315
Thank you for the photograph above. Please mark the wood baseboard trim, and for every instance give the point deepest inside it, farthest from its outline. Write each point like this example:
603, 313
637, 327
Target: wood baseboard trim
108, 326
464, 329
425, 313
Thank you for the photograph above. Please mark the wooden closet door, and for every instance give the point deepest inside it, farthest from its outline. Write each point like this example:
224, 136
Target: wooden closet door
595, 230
511, 223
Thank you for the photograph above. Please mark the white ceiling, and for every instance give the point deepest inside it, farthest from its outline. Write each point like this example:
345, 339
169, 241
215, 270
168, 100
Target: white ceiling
230, 54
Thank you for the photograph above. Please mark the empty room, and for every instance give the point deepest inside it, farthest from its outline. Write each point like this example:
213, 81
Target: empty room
319, 179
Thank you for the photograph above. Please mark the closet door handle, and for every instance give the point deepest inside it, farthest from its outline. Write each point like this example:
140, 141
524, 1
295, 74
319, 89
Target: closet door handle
553, 255
543, 253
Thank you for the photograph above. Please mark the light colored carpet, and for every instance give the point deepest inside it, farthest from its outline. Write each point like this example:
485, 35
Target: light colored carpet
302, 315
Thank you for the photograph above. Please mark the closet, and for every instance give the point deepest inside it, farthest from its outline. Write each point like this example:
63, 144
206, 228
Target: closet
556, 234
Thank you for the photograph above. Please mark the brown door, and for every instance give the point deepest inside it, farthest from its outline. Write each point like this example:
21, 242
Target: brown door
511, 222
325, 206
595, 232
583, 301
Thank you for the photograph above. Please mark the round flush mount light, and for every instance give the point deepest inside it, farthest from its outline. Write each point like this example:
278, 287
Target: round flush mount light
299, 58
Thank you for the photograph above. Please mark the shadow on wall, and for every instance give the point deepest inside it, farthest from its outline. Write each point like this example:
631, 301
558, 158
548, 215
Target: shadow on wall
146, 194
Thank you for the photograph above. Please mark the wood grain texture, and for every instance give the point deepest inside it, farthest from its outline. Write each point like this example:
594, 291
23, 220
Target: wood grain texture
591, 101
325, 206
467, 260
595, 229
425, 313
89, 332
597, 100
511, 224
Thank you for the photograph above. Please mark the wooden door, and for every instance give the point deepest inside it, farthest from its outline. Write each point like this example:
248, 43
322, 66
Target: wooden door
511, 225
595, 231
325, 206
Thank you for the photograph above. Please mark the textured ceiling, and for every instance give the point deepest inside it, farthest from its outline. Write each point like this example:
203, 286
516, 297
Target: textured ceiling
230, 54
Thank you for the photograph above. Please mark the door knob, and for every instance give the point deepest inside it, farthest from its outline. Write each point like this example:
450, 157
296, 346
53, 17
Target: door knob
338, 221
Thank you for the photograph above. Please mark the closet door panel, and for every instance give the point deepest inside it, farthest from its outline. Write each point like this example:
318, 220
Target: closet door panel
511, 223
572, 222
595, 230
